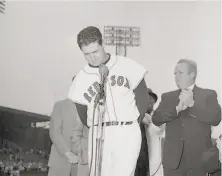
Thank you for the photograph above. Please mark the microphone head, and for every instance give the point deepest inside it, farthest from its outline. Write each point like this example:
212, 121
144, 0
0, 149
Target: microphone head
103, 70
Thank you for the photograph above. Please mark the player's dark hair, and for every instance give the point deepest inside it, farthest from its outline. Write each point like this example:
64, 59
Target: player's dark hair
89, 35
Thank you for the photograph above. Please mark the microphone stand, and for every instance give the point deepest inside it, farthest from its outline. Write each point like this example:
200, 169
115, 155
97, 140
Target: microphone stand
100, 133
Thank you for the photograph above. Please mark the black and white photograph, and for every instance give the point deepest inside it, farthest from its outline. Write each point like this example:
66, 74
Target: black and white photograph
110, 88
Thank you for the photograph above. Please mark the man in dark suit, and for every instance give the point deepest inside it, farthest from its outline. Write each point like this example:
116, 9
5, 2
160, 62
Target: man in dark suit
189, 113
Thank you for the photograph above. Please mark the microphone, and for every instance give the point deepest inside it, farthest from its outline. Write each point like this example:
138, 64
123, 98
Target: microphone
103, 71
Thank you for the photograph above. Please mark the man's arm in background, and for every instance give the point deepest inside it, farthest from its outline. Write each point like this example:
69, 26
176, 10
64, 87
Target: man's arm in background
164, 113
211, 114
55, 130
80, 141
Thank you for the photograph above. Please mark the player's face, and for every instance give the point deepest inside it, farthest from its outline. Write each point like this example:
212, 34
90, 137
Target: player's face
183, 77
94, 53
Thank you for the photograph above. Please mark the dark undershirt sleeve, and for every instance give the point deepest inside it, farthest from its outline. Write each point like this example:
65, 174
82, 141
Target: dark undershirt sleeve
82, 111
142, 99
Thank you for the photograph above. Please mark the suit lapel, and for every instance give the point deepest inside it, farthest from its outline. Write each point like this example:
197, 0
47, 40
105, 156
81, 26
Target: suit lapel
177, 94
195, 92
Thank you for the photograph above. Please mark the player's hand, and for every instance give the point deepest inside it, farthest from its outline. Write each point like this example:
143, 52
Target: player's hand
71, 157
102, 108
147, 119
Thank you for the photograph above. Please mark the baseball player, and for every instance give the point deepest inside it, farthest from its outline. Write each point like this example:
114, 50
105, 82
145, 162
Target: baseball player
126, 101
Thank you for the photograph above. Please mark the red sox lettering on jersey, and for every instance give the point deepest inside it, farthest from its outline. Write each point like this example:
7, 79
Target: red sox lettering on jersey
121, 81
114, 81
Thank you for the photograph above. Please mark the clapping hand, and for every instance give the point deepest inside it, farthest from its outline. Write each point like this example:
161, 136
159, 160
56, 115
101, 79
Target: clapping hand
186, 100
186, 97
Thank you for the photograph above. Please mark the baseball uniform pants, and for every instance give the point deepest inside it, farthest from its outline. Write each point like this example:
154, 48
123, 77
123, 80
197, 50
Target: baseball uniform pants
121, 149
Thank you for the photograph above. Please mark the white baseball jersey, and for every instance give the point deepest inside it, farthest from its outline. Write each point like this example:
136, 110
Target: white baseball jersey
124, 76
